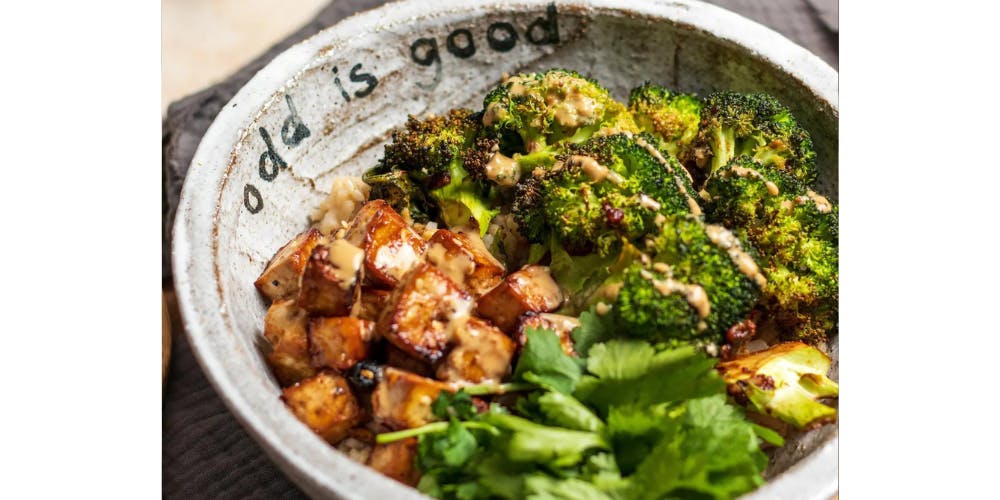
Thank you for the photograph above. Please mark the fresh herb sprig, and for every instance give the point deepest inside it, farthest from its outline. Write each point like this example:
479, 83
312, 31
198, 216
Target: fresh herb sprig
629, 422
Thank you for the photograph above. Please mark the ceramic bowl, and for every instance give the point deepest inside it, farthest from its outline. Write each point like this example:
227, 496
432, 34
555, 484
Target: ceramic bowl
325, 107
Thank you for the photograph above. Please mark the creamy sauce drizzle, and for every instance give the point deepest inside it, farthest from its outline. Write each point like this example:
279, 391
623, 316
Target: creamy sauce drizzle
694, 294
457, 267
539, 280
726, 240
494, 113
772, 188
502, 170
659, 157
647, 202
602, 309
693, 205
594, 170
822, 204
575, 110
346, 258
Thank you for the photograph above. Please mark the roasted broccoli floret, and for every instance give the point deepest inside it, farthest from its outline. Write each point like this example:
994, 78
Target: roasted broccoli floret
396, 187
432, 153
795, 232
785, 381
607, 189
698, 282
537, 112
669, 116
734, 124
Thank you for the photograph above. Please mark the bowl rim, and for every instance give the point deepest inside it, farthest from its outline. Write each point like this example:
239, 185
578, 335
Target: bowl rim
199, 290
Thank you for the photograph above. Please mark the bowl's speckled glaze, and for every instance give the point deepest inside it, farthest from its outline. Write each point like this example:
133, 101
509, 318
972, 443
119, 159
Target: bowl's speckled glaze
325, 108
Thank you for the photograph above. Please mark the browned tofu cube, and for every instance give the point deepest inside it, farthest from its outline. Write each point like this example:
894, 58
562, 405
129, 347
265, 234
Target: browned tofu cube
395, 356
563, 326
372, 302
482, 353
396, 460
331, 281
285, 329
419, 315
324, 402
280, 279
392, 248
531, 289
464, 258
339, 343
402, 400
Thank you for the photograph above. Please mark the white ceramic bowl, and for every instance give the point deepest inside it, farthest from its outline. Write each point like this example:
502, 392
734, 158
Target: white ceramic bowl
325, 107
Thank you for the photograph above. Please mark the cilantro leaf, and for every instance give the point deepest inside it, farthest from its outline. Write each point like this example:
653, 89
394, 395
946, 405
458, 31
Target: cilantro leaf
545, 487
458, 405
527, 441
544, 363
565, 411
593, 328
630, 372
708, 450
451, 448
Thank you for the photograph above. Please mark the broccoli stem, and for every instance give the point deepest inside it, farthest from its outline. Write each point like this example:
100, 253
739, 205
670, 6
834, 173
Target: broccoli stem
725, 150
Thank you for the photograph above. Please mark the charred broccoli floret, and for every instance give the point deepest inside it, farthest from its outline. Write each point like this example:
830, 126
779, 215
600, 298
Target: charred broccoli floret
698, 282
785, 381
795, 231
757, 125
396, 187
432, 153
538, 112
607, 189
669, 116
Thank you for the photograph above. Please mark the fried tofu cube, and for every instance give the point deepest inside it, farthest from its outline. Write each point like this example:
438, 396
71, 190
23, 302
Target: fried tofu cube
372, 302
392, 248
280, 279
395, 356
324, 402
531, 289
331, 281
396, 460
464, 258
482, 353
402, 400
419, 315
563, 327
339, 343
285, 329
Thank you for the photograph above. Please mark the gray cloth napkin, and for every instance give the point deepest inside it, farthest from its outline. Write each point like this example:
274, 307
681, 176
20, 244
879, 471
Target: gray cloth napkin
206, 454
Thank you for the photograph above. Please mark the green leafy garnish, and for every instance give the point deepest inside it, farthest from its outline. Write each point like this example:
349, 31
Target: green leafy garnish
593, 328
452, 448
666, 432
544, 363
458, 405
631, 372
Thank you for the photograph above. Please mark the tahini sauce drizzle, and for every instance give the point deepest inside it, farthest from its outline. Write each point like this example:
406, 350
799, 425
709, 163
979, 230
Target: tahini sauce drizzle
457, 266
594, 170
346, 258
822, 204
694, 294
772, 188
726, 240
502, 170
693, 206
